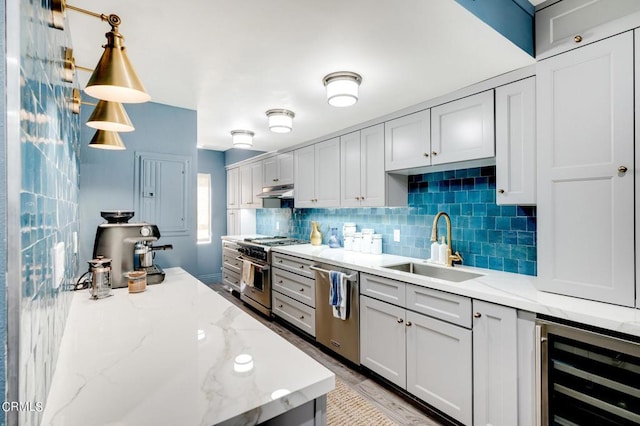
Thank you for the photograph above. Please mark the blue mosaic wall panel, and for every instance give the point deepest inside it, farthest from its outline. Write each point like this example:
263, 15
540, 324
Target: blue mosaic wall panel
487, 235
49, 215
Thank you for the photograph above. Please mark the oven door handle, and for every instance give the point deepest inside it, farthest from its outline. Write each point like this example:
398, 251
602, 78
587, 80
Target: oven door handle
257, 265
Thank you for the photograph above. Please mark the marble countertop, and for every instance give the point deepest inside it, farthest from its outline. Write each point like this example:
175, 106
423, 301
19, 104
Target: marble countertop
504, 288
168, 356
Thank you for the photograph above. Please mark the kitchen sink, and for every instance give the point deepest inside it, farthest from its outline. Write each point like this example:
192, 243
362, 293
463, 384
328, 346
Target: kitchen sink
446, 274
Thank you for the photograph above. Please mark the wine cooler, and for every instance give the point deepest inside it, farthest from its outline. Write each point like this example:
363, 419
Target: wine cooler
586, 378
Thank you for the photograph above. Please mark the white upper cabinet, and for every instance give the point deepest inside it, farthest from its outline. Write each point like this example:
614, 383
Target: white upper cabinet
463, 129
362, 168
278, 170
250, 177
233, 188
569, 24
586, 173
516, 143
407, 141
317, 174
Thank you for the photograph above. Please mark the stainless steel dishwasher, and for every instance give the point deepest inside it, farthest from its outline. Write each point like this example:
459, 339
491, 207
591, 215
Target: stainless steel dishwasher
340, 336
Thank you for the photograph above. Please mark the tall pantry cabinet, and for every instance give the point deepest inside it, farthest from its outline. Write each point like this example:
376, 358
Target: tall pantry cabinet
585, 109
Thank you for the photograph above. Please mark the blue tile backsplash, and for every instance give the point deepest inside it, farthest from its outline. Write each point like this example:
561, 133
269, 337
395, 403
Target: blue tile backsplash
489, 236
49, 144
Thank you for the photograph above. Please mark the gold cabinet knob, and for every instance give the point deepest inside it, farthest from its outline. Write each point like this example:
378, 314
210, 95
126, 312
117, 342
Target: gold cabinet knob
434, 153
577, 38
426, 154
400, 320
500, 191
408, 324
280, 305
301, 317
276, 180
477, 315
301, 290
622, 169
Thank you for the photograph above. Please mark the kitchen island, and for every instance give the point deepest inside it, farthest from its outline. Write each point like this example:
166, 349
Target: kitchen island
179, 354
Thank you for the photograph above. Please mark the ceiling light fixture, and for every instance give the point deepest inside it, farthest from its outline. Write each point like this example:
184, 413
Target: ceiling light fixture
242, 139
342, 88
104, 139
110, 116
114, 78
280, 120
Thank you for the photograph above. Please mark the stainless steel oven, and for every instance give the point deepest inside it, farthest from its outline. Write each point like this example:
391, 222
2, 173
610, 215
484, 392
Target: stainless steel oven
586, 377
256, 251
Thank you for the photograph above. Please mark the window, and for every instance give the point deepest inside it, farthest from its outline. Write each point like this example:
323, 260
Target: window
204, 208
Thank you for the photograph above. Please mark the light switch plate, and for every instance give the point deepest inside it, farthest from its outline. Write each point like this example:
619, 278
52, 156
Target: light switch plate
396, 235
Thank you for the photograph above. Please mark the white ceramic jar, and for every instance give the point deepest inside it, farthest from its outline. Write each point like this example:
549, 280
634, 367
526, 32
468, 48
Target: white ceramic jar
348, 228
348, 242
357, 241
367, 240
376, 244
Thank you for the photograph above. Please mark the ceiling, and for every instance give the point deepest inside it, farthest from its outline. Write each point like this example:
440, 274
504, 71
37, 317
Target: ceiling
233, 60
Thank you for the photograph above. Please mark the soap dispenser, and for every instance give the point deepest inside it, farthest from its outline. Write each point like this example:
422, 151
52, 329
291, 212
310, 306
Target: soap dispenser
442, 251
435, 251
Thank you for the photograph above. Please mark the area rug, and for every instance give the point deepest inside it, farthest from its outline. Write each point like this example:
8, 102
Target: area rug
346, 407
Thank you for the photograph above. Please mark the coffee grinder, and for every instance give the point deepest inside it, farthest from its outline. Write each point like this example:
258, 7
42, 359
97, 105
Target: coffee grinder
117, 240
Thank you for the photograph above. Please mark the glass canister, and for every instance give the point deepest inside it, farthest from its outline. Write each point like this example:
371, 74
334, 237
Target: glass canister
333, 238
100, 277
357, 241
367, 239
348, 242
376, 244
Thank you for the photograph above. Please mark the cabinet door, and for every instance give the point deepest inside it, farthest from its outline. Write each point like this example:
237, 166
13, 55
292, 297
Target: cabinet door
304, 163
495, 365
516, 143
246, 186
256, 186
327, 173
285, 168
270, 171
350, 170
585, 199
382, 340
558, 25
372, 176
233, 180
407, 141
233, 222
439, 365
463, 129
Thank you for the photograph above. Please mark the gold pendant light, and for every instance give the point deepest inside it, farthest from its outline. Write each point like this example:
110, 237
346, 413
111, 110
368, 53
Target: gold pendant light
114, 78
104, 139
110, 116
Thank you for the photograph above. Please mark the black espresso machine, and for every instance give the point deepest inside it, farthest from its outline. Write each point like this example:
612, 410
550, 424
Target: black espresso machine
117, 239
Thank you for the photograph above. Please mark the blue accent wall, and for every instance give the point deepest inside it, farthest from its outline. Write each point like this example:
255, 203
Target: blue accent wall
489, 236
511, 18
3, 220
210, 255
107, 177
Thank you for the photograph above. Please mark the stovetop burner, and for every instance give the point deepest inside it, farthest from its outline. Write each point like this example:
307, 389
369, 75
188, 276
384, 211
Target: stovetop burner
275, 241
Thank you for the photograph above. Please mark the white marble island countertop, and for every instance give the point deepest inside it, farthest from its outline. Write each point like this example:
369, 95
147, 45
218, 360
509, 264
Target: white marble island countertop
504, 288
166, 357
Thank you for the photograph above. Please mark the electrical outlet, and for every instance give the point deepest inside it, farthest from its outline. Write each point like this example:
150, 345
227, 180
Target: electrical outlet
277, 226
396, 235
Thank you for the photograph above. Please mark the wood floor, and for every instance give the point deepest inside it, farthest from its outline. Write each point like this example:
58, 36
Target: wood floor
398, 408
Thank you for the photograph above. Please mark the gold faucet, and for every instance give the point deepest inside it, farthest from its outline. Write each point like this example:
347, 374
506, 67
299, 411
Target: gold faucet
457, 257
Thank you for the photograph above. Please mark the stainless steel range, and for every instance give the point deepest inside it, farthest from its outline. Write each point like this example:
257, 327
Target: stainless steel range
257, 253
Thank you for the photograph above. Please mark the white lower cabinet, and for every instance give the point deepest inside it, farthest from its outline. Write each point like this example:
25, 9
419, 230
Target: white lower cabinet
495, 365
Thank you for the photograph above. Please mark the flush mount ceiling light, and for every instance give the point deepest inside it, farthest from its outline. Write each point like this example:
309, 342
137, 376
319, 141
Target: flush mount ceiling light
114, 78
242, 139
110, 116
280, 120
104, 139
342, 88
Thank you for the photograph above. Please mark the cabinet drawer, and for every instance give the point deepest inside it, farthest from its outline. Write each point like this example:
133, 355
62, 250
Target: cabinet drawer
293, 264
230, 262
294, 312
439, 304
384, 289
230, 245
231, 278
300, 288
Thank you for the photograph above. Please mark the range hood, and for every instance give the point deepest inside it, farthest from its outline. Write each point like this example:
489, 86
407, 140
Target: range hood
279, 191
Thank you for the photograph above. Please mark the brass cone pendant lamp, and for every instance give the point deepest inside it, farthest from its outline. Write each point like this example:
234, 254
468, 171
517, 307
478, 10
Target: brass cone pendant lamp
110, 116
104, 139
114, 78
